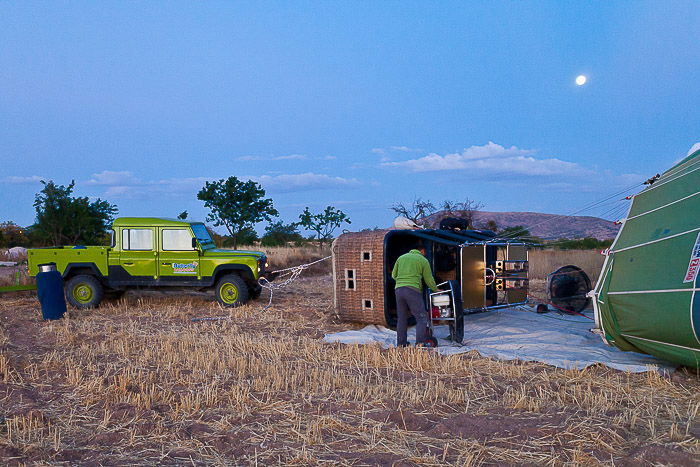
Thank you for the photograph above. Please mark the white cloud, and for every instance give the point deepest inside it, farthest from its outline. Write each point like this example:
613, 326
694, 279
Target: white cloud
15, 180
395, 149
404, 149
303, 181
693, 148
493, 158
109, 177
291, 157
122, 191
328, 158
125, 185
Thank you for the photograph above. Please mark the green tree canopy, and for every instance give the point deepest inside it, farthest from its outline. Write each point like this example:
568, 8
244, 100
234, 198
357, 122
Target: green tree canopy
236, 205
12, 235
279, 233
587, 243
323, 223
62, 219
518, 232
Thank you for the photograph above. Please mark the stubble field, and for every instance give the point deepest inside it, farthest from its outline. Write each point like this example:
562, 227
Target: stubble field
137, 382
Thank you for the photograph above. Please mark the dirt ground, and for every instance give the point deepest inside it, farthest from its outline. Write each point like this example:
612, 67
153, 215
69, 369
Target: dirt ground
137, 382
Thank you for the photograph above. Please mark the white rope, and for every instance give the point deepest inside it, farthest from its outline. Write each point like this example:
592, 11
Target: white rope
294, 272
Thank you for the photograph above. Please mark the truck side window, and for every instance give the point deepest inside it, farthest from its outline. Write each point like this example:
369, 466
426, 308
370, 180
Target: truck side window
177, 239
137, 239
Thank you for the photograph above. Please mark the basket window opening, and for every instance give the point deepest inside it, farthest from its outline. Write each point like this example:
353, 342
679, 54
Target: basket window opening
367, 304
350, 279
366, 256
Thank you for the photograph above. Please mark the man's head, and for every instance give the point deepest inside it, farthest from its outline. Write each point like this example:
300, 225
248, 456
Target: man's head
419, 246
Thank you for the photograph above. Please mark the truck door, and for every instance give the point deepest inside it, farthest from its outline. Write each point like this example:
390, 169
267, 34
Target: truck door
178, 261
138, 253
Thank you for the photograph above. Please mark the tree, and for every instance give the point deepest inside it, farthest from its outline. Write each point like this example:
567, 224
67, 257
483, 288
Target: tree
323, 223
460, 209
587, 243
518, 232
247, 236
12, 234
416, 211
182, 216
236, 205
62, 219
491, 224
423, 211
279, 233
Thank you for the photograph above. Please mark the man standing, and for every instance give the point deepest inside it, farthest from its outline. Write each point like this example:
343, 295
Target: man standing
410, 271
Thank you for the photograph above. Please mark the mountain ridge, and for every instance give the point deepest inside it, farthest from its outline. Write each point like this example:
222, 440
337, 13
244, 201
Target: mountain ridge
543, 225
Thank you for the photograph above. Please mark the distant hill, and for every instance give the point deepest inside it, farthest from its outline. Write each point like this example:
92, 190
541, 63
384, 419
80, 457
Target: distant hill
547, 226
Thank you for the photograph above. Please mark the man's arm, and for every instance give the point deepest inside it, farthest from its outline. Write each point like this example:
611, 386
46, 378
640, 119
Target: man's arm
428, 276
395, 271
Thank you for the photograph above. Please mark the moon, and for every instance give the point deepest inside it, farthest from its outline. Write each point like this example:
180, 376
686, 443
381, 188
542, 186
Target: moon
581, 80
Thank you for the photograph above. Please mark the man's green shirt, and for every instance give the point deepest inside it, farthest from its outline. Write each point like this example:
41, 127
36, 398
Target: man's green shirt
411, 270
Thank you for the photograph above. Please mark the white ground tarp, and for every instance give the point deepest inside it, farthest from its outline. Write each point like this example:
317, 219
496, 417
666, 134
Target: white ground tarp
514, 334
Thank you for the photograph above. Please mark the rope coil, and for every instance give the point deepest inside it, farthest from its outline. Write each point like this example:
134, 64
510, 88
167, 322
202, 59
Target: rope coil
293, 274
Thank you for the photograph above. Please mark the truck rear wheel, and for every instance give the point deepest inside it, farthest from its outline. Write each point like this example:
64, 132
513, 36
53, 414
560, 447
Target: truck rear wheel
231, 290
84, 291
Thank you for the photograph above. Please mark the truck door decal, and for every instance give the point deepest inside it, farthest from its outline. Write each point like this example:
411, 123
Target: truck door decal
185, 268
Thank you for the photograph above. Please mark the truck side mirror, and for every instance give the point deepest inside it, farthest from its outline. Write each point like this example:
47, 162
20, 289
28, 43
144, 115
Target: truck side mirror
194, 243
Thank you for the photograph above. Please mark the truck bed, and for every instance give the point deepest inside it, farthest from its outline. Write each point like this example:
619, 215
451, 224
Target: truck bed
76, 256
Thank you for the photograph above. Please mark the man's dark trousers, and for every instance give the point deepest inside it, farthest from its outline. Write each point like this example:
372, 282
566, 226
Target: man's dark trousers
410, 299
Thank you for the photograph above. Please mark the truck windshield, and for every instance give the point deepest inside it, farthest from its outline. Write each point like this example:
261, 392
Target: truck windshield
202, 235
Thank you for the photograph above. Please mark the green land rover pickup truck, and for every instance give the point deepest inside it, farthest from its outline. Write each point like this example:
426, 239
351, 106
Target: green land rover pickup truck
152, 252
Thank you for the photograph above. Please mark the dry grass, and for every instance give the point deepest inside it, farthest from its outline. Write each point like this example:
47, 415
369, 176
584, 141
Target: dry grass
284, 257
542, 261
136, 382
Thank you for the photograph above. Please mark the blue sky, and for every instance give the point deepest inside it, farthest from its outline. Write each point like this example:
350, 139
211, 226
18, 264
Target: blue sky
353, 104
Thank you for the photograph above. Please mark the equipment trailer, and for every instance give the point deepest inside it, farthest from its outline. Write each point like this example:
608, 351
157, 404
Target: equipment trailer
481, 272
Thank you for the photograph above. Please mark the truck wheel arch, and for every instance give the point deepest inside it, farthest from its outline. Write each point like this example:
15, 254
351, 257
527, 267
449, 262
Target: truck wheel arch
75, 269
241, 270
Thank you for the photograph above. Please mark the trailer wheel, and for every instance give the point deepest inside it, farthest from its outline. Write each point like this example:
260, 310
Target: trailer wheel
457, 326
430, 342
231, 290
84, 291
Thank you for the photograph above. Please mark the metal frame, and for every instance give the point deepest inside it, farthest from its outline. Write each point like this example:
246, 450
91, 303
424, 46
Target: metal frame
486, 244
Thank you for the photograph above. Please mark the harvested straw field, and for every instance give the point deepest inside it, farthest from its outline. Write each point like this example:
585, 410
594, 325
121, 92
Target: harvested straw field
137, 382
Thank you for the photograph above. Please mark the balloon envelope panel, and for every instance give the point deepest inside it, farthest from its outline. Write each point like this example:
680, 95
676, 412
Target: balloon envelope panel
647, 298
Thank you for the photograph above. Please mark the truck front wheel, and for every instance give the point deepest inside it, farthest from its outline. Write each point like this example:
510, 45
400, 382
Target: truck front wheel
231, 290
84, 291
